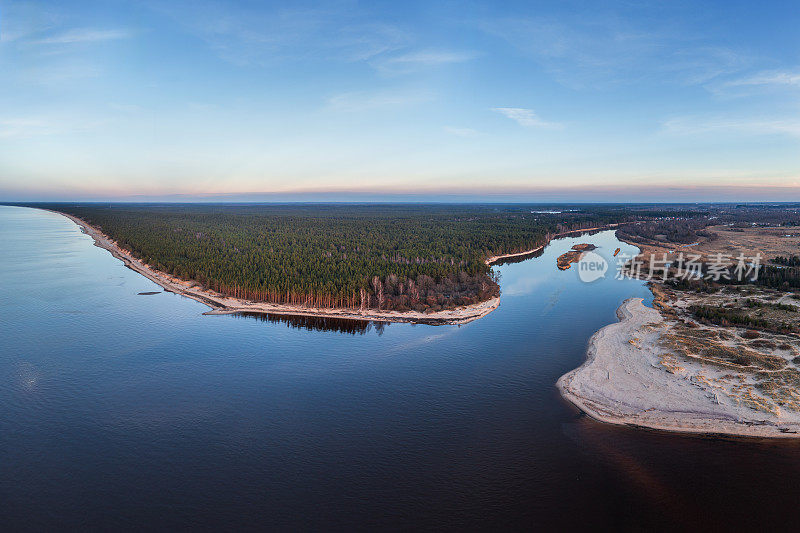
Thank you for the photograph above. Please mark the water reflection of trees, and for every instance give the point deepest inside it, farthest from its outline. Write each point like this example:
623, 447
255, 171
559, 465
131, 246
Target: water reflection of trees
320, 323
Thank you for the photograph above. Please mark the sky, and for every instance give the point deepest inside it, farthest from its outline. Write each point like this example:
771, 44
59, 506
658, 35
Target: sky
506, 101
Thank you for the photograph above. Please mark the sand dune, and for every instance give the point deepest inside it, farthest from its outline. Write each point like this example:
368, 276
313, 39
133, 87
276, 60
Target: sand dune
629, 378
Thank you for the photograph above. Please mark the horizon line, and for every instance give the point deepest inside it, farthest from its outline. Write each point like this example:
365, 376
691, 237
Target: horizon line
522, 195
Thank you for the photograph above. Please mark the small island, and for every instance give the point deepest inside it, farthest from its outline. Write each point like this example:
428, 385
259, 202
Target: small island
565, 260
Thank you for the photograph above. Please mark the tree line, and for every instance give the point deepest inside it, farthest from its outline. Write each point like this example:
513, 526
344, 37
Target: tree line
724, 316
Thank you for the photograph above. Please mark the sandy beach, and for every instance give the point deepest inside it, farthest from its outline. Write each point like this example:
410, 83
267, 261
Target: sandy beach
629, 377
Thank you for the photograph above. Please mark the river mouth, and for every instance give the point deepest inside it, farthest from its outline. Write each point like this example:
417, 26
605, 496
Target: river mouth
121, 410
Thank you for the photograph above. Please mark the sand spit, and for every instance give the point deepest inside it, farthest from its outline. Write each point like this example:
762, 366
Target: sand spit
221, 304
629, 377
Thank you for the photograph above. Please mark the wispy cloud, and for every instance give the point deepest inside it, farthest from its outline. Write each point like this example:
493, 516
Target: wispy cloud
13, 128
573, 52
610, 49
258, 36
413, 61
780, 78
746, 126
83, 35
461, 132
699, 65
21, 21
59, 72
525, 117
361, 41
27, 127
364, 101
24, 127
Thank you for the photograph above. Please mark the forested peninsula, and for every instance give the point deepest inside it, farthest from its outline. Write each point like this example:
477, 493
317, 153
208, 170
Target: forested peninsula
401, 258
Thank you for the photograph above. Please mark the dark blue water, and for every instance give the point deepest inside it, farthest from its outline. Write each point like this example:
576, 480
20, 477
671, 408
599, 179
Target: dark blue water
122, 411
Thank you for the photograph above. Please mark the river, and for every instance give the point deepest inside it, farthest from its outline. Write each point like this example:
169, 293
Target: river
122, 410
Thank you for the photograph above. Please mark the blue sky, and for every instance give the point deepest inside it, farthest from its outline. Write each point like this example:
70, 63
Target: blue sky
546, 101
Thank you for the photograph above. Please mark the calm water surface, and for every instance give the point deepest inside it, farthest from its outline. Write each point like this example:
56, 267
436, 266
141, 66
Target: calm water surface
121, 411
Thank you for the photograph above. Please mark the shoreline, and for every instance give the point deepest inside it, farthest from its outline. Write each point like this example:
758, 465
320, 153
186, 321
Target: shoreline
221, 305
624, 382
